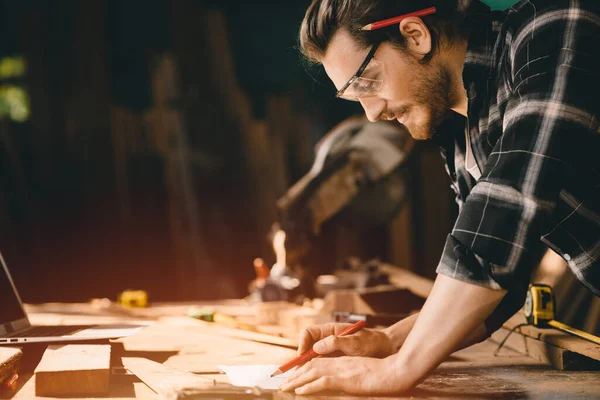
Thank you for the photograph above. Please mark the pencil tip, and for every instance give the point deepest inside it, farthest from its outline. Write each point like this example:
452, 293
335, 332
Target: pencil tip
278, 372
366, 27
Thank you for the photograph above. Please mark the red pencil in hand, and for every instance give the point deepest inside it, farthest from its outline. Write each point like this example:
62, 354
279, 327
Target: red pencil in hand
310, 354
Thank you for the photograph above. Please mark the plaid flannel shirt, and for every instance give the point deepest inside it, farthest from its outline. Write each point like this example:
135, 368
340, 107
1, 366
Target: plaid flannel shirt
532, 76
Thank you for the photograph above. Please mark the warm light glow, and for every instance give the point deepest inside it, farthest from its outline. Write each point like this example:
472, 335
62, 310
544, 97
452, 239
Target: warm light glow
551, 269
279, 248
261, 269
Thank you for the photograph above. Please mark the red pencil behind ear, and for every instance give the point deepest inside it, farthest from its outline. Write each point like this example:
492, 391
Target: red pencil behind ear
391, 21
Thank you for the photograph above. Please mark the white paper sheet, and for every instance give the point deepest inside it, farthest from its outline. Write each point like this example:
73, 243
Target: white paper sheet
255, 375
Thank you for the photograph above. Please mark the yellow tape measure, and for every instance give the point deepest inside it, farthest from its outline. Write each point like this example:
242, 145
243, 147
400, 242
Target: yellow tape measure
539, 305
133, 298
539, 310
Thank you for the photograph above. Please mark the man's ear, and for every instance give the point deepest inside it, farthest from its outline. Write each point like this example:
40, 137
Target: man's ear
417, 36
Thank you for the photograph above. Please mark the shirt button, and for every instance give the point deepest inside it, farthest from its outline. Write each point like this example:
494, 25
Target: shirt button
567, 257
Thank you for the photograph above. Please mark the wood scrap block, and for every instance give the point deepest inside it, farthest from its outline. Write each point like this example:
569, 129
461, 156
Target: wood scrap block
376, 300
73, 370
9, 362
267, 313
298, 317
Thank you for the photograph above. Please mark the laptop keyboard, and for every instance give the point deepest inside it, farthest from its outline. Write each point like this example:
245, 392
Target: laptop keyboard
41, 331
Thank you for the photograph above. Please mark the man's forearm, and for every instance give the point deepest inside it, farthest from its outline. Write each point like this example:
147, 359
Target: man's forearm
451, 317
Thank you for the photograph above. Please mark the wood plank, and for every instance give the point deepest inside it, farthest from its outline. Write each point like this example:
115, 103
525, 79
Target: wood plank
73, 369
171, 383
557, 338
198, 349
161, 378
470, 373
561, 359
220, 330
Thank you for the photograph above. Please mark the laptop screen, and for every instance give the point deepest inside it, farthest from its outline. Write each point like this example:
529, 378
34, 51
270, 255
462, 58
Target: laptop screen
10, 306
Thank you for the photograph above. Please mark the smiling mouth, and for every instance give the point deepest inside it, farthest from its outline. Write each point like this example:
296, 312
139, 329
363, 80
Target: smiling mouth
400, 115
401, 118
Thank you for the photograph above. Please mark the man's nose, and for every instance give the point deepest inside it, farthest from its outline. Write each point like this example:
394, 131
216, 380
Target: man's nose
373, 106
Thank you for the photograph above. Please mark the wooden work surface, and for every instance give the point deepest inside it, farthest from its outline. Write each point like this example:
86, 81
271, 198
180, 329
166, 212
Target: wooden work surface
187, 344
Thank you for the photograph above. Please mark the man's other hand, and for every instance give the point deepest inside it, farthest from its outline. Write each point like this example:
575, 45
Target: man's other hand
352, 375
365, 343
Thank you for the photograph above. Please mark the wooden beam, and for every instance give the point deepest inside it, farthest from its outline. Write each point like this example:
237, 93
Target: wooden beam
559, 358
561, 350
557, 338
73, 370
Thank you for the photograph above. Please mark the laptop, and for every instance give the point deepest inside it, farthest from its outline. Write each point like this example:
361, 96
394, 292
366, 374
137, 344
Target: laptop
15, 327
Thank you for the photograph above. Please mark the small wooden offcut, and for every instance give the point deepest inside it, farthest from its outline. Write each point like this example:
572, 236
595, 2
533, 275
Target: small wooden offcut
73, 370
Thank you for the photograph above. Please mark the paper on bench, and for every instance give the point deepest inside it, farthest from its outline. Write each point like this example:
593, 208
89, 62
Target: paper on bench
255, 375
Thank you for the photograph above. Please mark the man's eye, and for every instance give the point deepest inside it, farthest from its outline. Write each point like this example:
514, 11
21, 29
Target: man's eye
370, 74
356, 85
363, 85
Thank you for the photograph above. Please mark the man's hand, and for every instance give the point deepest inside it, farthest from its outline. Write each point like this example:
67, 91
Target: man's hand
352, 375
366, 342
452, 317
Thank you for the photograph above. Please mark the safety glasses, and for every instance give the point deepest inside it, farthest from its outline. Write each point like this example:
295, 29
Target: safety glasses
368, 80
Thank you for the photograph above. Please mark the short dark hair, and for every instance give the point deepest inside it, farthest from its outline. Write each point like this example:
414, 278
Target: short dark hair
326, 17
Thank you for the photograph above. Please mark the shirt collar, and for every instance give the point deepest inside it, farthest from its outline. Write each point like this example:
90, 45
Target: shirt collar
485, 26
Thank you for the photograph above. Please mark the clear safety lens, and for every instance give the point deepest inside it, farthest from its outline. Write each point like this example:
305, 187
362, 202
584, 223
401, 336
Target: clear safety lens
366, 85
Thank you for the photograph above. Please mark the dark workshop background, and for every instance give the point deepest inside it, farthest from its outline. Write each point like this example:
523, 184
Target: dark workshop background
143, 145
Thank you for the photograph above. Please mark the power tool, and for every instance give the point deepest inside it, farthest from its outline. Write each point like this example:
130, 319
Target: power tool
539, 310
360, 174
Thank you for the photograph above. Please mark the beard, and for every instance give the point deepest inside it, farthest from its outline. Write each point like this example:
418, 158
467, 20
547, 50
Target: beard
431, 92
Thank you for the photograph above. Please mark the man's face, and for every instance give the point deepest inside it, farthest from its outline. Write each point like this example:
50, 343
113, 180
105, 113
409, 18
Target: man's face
416, 95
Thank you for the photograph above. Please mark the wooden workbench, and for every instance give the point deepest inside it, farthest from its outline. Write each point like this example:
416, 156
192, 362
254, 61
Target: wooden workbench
470, 373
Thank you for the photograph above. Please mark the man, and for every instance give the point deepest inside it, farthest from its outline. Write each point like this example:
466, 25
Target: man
525, 164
